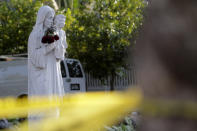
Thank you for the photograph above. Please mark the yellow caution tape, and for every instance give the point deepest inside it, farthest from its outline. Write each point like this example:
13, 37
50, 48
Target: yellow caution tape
79, 112
169, 108
90, 111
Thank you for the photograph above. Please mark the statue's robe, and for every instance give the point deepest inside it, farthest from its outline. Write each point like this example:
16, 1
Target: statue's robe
44, 72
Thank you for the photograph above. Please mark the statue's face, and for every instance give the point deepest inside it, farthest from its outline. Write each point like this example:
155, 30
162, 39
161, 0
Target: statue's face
60, 22
48, 22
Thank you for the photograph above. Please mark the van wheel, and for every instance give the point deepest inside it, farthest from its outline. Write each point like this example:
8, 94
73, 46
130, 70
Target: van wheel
22, 96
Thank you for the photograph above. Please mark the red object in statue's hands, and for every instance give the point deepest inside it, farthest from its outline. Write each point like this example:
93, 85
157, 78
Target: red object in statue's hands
50, 36
44, 39
56, 37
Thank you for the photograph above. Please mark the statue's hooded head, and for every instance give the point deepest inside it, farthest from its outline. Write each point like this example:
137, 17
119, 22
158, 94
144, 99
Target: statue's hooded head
59, 21
44, 18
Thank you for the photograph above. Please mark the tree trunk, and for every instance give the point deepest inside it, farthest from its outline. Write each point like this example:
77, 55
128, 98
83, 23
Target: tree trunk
112, 78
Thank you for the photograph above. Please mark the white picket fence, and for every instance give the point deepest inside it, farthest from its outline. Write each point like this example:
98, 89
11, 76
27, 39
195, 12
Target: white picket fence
120, 83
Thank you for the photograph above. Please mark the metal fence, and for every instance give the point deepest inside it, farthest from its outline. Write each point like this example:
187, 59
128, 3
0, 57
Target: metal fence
120, 82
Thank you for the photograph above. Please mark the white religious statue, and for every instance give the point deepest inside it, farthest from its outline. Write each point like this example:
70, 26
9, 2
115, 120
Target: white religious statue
60, 49
44, 72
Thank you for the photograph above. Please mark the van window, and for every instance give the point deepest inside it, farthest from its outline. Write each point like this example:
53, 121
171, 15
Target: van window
74, 69
63, 70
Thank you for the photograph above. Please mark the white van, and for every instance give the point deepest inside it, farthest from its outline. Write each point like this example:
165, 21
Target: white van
13, 77
73, 76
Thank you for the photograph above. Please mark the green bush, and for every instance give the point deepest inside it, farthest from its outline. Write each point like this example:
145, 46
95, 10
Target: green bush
100, 34
17, 18
127, 125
